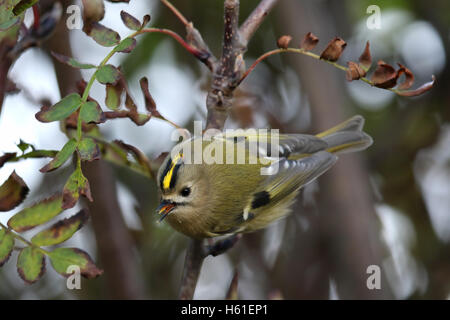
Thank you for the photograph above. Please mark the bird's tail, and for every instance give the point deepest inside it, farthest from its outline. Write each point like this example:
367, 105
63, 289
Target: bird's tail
347, 136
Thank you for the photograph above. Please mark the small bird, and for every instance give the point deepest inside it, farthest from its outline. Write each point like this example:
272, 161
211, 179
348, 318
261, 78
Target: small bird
204, 199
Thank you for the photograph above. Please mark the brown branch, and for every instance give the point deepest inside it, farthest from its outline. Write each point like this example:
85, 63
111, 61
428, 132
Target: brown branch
218, 103
220, 96
192, 265
255, 19
5, 65
226, 75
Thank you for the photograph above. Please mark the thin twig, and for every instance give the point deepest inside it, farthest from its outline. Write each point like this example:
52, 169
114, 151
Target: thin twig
194, 38
192, 265
306, 53
255, 19
175, 12
194, 51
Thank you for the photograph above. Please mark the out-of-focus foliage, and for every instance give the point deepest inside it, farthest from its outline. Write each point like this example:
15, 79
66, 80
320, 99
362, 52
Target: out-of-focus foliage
406, 164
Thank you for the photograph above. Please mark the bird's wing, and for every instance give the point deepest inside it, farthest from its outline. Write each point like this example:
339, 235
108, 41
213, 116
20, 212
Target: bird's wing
274, 145
287, 177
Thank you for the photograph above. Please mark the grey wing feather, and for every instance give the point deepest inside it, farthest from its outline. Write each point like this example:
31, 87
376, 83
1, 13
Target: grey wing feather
293, 174
278, 145
298, 143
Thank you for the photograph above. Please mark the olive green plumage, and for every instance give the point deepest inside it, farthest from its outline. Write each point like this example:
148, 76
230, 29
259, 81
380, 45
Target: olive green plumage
210, 199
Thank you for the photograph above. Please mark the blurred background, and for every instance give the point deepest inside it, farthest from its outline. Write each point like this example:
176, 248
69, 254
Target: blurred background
388, 206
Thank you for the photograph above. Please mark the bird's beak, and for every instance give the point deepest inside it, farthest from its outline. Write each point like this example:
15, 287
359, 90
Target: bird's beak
165, 208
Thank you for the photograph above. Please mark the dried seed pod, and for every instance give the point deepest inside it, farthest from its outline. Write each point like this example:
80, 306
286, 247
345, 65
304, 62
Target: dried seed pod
334, 49
283, 41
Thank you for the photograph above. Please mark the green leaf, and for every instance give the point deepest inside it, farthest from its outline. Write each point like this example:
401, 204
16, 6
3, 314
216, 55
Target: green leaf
91, 112
6, 246
60, 231
12, 192
61, 157
30, 264
103, 35
130, 22
108, 74
113, 95
76, 184
37, 214
72, 62
60, 110
23, 146
126, 46
63, 258
23, 5
88, 150
7, 17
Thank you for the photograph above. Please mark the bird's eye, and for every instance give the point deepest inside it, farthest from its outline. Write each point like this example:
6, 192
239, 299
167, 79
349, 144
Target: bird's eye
185, 192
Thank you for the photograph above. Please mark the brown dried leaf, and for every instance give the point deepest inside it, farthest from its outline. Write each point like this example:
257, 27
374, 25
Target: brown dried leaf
138, 118
6, 157
354, 71
365, 59
409, 77
421, 90
12, 192
146, 20
309, 42
283, 41
384, 76
150, 104
334, 49
137, 154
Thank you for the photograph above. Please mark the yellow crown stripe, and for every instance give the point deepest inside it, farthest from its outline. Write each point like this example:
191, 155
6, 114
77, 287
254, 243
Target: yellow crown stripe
168, 177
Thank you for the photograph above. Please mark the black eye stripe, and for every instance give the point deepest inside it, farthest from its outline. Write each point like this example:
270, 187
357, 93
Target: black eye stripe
173, 181
166, 170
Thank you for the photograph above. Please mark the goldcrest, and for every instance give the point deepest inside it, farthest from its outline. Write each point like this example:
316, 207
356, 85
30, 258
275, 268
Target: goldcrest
242, 184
